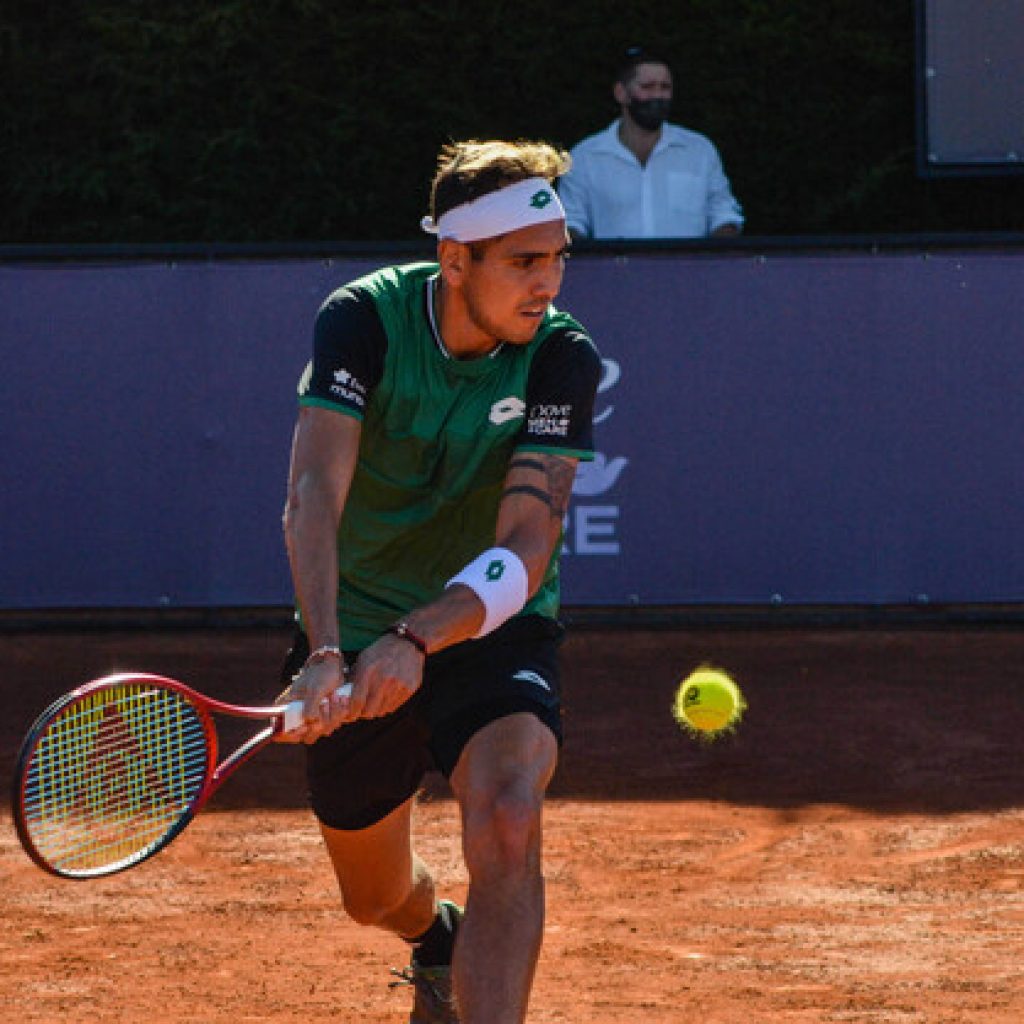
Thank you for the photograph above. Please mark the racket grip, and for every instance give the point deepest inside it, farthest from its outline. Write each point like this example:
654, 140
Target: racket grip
292, 717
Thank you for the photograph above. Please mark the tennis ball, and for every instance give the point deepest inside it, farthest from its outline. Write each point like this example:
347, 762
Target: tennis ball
708, 703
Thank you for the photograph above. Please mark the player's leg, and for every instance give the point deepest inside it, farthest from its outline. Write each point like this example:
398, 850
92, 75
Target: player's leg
367, 832
384, 883
382, 880
500, 781
367, 829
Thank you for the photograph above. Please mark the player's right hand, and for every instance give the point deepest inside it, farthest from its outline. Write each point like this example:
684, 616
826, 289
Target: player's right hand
317, 685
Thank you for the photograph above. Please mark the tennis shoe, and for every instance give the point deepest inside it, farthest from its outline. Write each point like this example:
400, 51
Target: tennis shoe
433, 1001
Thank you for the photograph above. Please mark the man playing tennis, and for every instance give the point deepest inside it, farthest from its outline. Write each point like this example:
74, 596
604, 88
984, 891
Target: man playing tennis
441, 420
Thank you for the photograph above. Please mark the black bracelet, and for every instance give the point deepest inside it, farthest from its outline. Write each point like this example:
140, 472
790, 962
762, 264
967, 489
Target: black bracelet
402, 630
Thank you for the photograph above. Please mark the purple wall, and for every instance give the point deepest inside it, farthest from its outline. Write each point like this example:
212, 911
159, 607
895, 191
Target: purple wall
825, 428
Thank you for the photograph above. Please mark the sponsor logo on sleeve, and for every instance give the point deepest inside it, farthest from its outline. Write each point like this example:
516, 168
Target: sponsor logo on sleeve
549, 420
347, 388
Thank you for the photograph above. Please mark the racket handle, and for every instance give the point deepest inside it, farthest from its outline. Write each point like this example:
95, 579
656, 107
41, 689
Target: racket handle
292, 717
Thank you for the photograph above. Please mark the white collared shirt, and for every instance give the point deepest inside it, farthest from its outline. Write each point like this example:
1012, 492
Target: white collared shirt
681, 192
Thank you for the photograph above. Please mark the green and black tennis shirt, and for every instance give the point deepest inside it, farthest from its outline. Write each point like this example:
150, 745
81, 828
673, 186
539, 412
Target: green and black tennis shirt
437, 437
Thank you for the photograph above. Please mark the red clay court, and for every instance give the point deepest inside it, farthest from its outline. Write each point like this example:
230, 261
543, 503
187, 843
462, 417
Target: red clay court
855, 853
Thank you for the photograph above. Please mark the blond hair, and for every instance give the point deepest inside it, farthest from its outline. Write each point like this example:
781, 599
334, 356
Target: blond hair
468, 170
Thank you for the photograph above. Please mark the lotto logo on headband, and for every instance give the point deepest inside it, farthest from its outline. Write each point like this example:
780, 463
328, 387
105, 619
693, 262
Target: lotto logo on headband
540, 199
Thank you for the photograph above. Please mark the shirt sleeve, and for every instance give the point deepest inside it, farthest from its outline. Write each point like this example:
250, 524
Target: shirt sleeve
349, 346
722, 205
560, 393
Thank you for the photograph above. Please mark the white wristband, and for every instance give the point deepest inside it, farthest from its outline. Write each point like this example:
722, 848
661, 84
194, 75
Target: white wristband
498, 578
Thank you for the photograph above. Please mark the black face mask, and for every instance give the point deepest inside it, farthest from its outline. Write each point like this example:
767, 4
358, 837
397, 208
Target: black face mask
649, 114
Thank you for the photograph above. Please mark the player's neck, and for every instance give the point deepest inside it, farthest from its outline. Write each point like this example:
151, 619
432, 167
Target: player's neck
456, 332
639, 141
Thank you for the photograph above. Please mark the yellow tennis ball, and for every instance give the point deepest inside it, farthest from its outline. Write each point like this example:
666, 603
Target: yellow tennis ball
708, 702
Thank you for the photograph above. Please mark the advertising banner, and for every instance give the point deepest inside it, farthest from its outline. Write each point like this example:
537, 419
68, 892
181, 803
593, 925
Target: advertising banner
822, 428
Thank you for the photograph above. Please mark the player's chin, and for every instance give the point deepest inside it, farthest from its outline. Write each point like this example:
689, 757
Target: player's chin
524, 330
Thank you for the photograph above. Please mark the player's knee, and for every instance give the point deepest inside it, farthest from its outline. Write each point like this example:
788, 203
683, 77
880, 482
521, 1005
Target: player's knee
371, 908
502, 830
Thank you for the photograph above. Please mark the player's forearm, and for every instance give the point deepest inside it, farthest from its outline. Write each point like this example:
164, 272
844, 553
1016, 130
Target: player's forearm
324, 453
459, 612
454, 616
310, 527
533, 544
532, 509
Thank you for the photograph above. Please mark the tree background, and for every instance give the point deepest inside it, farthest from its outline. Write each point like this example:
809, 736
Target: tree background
307, 120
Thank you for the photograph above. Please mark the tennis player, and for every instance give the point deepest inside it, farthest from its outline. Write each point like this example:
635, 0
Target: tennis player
441, 421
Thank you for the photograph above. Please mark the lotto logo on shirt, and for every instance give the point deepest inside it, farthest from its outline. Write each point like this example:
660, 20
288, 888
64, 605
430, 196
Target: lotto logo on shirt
549, 420
506, 410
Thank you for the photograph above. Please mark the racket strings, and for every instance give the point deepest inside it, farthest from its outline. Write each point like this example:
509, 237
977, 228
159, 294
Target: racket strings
112, 774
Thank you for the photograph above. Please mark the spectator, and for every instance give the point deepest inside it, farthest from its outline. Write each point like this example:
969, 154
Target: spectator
642, 177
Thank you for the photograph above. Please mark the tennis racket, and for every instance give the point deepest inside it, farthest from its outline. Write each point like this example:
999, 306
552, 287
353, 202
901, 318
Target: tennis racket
113, 771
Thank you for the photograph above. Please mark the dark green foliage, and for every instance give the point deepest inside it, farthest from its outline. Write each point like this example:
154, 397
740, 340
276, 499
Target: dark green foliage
305, 120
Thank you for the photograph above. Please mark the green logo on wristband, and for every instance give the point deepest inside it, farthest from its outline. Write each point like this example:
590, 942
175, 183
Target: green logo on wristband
495, 570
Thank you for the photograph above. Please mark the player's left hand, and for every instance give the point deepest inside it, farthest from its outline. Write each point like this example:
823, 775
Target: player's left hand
384, 677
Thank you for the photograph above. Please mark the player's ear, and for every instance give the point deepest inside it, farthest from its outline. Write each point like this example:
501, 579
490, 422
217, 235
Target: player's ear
620, 94
452, 256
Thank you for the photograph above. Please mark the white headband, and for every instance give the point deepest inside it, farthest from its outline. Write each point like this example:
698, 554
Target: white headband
529, 202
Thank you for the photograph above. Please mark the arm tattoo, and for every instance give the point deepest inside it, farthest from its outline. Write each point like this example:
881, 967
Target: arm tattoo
534, 492
522, 462
560, 477
556, 487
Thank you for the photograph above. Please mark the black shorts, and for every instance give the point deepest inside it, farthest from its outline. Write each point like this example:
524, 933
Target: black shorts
363, 771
